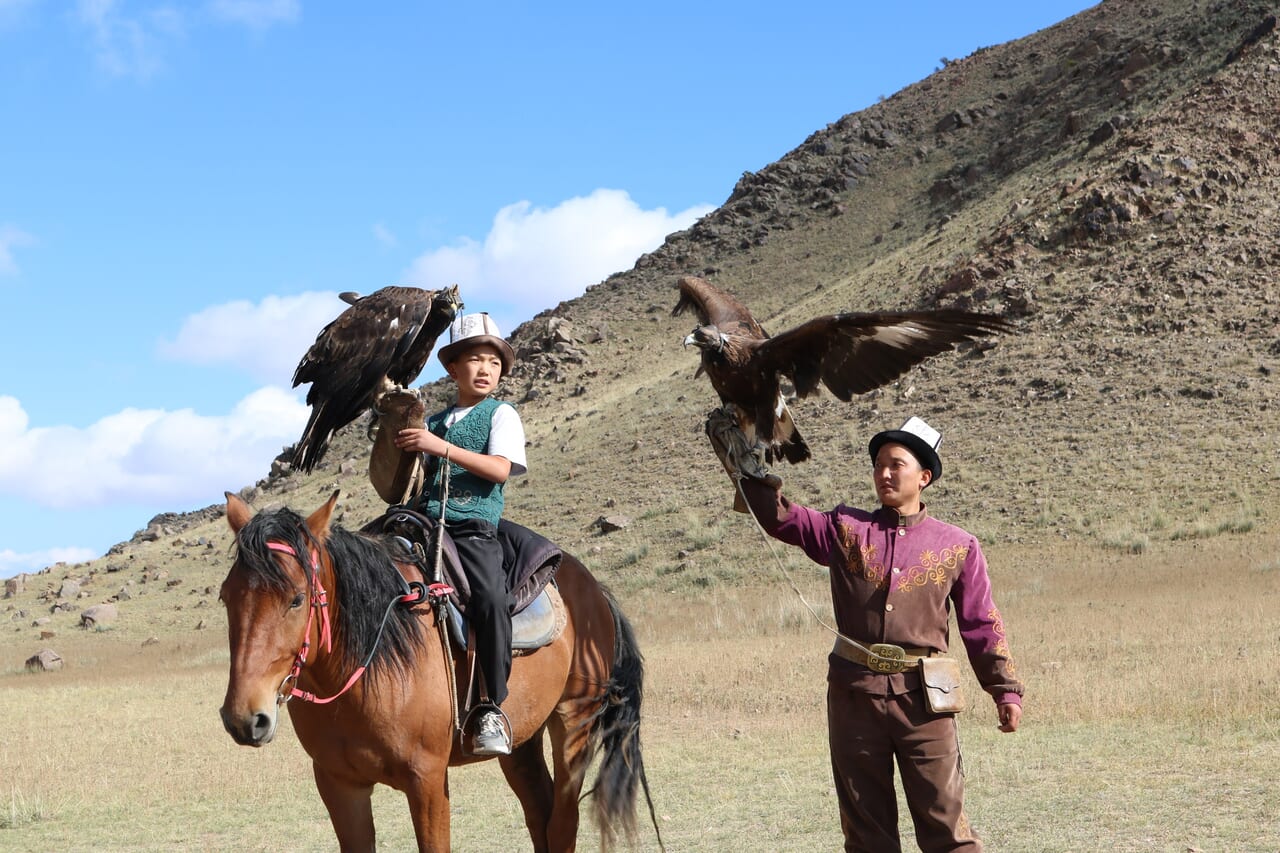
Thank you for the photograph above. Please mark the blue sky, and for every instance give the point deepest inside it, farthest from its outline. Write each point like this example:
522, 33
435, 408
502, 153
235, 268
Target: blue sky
185, 187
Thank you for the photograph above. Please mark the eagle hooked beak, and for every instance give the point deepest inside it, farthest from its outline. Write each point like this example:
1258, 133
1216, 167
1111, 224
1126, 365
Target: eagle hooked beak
452, 296
707, 337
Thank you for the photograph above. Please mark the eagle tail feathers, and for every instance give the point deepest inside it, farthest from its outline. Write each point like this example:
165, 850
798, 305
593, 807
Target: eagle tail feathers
787, 442
311, 448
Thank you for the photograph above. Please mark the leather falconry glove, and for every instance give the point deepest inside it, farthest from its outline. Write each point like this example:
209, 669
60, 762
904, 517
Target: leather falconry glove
396, 476
740, 457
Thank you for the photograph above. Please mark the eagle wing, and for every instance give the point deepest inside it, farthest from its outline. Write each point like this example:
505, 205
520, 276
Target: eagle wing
383, 339
716, 308
848, 353
855, 353
414, 348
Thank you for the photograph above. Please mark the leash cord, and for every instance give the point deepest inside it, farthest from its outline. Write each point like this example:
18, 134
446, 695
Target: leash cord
407, 596
768, 540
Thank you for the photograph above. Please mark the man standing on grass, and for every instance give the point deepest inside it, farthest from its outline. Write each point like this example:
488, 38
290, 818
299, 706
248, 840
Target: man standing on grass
891, 694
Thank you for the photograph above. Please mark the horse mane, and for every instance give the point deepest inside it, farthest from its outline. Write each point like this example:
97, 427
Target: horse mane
367, 581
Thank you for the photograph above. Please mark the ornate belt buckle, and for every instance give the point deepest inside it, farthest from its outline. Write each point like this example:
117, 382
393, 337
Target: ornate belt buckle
887, 658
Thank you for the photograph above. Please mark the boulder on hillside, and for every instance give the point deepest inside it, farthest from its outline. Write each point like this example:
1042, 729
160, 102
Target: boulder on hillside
612, 523
99, 616
15, 586
560, 330
45, 660
69, 590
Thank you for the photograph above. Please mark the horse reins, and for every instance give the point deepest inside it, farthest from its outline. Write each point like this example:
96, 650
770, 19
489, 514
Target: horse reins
414, 593
437, 579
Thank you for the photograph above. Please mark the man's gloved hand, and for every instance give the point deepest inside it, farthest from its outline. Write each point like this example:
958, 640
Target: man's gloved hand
740, 457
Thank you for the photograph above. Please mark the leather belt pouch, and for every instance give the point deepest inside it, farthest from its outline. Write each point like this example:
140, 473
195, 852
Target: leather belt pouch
940, 678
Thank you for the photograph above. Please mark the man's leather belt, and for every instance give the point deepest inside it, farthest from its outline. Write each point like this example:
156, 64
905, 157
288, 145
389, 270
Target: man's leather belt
880, 657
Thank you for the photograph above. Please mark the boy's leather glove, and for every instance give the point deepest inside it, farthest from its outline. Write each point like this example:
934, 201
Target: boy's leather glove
396, 476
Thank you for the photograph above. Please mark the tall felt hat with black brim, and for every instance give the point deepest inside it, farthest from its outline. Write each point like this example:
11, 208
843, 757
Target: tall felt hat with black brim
472, 329
918, 437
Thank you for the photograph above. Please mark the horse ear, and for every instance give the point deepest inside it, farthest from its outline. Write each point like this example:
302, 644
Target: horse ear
318, 523
238, 512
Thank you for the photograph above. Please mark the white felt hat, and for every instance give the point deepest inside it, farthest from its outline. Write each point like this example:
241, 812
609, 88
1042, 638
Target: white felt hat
471, 329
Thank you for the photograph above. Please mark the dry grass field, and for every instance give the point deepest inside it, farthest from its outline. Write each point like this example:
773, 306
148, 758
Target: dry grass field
1152, 724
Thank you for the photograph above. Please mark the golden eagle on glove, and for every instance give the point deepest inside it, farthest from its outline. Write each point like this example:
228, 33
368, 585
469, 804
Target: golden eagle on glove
848, 353
378, 345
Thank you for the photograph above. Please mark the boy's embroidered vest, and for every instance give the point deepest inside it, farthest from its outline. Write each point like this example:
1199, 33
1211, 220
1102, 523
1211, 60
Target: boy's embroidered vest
469, 496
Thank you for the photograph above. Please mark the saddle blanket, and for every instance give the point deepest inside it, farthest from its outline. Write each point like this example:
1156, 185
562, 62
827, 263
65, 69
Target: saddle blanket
532, 628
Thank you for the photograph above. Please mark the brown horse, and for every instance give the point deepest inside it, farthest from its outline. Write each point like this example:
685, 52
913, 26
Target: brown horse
395, 725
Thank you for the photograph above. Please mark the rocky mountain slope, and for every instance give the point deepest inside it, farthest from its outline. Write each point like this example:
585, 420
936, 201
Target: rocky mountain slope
1109, 182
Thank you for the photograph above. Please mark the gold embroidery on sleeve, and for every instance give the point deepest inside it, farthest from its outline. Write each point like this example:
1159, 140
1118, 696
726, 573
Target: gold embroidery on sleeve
1002, 643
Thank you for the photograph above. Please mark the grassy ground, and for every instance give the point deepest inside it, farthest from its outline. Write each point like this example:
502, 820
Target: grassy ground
1152, 724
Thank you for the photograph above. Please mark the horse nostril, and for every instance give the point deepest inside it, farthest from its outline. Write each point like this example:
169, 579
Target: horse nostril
261, 725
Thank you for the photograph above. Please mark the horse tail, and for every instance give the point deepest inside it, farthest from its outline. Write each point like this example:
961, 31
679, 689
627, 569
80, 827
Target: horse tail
618, 726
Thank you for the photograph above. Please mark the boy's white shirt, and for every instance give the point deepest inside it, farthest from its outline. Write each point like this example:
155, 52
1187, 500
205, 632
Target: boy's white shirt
506, 435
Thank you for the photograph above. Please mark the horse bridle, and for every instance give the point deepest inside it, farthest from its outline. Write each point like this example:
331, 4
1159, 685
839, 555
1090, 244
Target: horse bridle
319, 604
414, 592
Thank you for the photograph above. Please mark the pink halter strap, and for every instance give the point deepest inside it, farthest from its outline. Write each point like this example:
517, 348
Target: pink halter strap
319, 602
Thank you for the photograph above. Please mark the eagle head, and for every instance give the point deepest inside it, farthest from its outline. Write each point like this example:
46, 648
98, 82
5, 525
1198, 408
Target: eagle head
448, 300
707, 338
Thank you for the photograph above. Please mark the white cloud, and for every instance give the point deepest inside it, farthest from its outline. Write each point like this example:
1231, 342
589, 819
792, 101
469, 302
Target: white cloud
265, 339
14, 562
257, 14
130, 45
148, 457
535, 257
12, 238
531, 259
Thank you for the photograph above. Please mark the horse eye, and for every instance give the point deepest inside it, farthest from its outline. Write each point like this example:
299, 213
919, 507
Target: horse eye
297, 601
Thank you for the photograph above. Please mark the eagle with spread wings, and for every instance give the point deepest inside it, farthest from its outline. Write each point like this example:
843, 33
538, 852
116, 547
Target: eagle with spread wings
378, 345
848, 353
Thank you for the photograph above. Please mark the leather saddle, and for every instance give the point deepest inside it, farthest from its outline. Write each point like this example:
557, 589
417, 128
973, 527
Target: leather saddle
529, 560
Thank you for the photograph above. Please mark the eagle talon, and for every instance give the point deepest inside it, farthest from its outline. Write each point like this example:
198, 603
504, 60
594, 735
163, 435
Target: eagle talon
391, 398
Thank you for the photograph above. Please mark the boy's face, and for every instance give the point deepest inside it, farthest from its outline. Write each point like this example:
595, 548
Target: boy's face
476, 371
